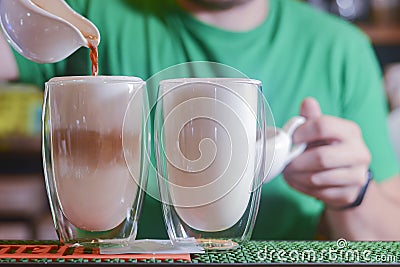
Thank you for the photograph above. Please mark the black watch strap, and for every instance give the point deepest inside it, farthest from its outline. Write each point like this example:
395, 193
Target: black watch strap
361, 195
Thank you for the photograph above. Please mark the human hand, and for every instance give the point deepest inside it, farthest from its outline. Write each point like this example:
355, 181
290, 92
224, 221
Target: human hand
334, 166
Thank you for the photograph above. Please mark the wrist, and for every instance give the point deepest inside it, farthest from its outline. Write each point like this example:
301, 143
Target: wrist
360, 197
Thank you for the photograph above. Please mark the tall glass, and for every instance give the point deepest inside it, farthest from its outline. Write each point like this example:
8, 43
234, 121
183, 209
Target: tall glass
94, 157
210, 146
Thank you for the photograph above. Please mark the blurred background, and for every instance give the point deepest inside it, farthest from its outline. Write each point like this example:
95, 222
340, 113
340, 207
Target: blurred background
24, 209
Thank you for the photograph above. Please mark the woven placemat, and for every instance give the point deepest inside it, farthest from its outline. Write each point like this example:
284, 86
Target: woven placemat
300, 252
254, 252
51, 252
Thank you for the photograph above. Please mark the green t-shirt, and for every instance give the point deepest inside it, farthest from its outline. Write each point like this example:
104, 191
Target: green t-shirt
296, 52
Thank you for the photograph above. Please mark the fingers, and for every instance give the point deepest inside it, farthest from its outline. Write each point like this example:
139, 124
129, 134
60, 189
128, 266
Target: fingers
319, 127
339, 155
338, 177
333, 167
331, 196
327, 128
310, 108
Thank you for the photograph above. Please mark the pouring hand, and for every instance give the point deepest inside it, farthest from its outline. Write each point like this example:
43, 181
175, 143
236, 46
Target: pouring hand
334, 166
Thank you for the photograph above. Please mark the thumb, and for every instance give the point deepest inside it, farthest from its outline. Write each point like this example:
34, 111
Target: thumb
310, 108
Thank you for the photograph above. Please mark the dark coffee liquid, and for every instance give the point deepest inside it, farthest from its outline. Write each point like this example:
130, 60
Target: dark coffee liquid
88, 150
94, 57
92, 44
92, 179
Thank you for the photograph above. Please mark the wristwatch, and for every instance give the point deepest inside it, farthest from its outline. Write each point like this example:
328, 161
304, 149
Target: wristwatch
361, 195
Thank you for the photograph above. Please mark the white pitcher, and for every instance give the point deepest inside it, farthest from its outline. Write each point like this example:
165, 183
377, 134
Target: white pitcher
280, 148
45, 31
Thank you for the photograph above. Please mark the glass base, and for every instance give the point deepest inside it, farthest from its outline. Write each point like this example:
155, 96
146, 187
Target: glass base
217, 244
99, 243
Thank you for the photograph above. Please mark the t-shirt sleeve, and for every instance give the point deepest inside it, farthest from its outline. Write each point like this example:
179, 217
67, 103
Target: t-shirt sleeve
33, 73
364, 102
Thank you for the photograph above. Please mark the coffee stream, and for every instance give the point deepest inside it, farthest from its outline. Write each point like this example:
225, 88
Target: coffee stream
92, 42
94, 54
94, 57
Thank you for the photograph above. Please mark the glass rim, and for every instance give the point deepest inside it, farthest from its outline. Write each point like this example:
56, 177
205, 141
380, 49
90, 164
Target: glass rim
210, 80
92, 79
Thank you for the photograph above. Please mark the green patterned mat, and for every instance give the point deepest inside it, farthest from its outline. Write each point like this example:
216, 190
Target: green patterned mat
261, 252
302, 252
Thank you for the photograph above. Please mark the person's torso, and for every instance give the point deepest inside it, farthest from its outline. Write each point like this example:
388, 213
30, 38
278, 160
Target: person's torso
286, 52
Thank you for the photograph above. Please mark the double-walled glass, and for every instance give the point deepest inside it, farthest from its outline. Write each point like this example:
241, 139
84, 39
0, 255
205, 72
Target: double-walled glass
210, 146
94, 157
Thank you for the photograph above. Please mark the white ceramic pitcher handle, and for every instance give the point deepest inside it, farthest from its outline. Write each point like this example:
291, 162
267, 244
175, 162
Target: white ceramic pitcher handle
289, 128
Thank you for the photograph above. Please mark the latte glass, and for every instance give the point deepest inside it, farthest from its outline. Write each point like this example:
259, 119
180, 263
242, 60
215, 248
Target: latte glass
210, 146
94, 157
